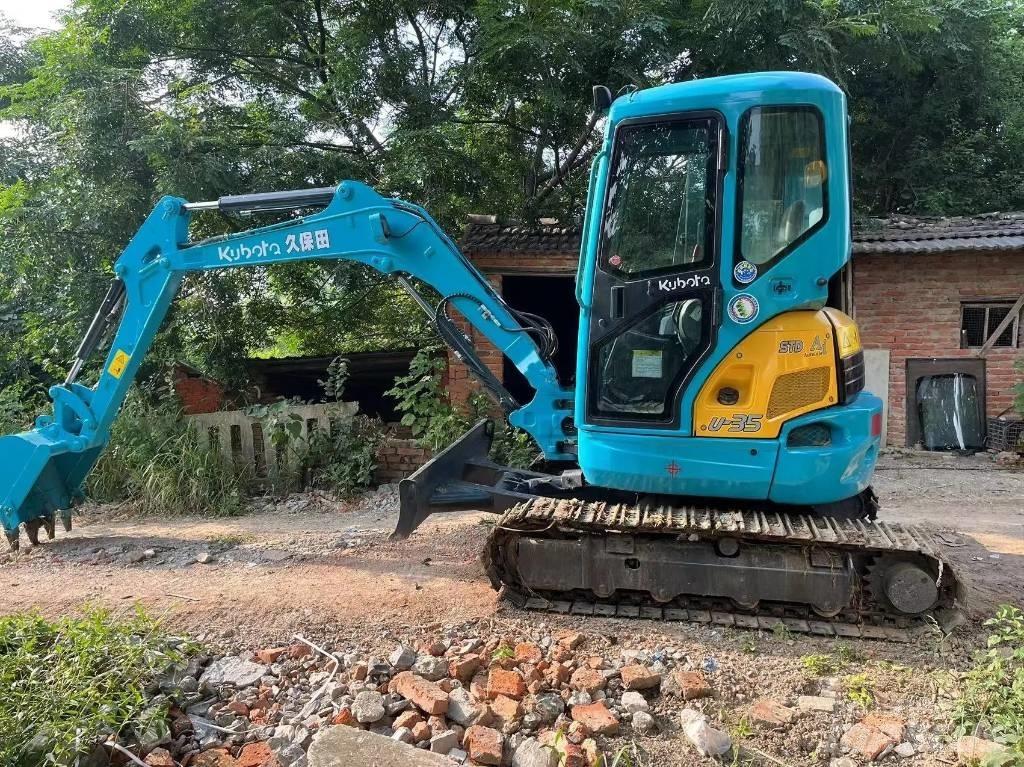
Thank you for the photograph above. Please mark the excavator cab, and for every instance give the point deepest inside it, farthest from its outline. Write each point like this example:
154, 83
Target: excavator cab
709, 364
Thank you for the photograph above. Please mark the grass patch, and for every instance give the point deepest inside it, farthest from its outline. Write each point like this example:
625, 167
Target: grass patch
69, 683
992, 701
160, 464
503, 653
820, 664
228, 540
860, 689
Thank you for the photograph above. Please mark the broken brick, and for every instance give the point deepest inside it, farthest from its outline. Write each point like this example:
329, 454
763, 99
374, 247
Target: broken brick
637, 677
215, 757
407, 719
299, 650
889, 724
528, 652
159, 757
484, 744
345, 716
691, 684
257, 755
426, 695
502, 682
866, 741
270, 654
505, 708
465, 667
596, 718
771, 713
587, 679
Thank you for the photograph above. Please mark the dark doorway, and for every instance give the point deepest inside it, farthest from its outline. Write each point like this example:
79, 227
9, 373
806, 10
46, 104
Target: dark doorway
554, 299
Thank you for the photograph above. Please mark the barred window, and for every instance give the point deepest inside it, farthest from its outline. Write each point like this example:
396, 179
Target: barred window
978, 321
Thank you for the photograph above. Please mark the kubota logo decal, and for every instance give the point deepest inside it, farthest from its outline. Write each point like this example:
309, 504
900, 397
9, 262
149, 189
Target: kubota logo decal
681, 283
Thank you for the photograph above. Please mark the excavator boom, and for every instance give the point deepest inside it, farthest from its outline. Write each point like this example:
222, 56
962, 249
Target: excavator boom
44, 469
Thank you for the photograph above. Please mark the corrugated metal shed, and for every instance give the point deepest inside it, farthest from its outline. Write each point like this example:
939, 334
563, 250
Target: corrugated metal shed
896, 235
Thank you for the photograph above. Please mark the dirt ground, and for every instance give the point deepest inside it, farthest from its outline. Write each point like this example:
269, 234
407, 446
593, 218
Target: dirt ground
326, 569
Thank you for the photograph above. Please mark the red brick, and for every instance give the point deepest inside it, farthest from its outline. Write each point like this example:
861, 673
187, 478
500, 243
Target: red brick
637, 677
270, 654
215, 757
528, 652
483, 744
502, 682
345, 716
159, 757
771, 713
888, 724
465, 667
257, 755
587, 679
407, 719
596, 718
427, 695
866, 741
692, 684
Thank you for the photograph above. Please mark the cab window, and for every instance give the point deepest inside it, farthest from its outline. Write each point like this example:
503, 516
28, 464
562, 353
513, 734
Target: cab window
782, 176
661, 209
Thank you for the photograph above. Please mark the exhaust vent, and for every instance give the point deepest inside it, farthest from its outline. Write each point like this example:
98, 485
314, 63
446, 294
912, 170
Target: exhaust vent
793, 391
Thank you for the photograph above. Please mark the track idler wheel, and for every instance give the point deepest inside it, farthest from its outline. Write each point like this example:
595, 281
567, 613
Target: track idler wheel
904, 585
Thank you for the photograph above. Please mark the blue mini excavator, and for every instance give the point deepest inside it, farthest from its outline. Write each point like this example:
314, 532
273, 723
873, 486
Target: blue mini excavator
713, 459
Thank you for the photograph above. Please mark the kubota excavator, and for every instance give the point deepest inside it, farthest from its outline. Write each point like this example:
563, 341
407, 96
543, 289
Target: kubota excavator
712, 459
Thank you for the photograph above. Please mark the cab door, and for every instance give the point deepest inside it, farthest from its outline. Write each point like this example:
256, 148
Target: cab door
656, 294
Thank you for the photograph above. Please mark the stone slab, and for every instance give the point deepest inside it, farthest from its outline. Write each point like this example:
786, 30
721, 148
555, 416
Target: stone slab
348, 747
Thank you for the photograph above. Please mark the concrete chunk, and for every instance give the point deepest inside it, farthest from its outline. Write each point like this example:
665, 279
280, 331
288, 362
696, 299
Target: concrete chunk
347, 746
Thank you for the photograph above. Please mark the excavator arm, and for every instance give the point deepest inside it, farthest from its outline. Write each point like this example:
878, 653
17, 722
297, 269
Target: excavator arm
42, 471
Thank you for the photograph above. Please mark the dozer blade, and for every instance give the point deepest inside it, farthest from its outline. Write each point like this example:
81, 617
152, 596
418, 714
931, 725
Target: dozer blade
463, 477
38, 477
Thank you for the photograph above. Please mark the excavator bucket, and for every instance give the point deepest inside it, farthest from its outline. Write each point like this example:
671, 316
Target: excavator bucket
39, 478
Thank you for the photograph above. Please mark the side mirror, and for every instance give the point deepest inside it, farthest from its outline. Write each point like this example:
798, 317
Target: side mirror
602, 98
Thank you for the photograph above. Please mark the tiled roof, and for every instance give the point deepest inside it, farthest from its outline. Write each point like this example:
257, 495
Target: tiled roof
905, 234
898, 234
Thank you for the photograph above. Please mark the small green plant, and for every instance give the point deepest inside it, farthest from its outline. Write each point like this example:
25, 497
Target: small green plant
993, 689
781, 632
749, 645
503, 652
860, 689
70, 683
742, 729
819, 664
435, 422
847, 654
627, 755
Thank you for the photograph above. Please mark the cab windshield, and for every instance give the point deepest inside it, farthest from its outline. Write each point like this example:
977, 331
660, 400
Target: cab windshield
661, 206
782, 181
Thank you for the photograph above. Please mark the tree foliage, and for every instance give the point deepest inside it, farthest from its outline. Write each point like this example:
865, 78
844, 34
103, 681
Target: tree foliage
460, 106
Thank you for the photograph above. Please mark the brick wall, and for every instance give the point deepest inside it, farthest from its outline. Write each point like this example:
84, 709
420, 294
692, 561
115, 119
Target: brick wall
196, 393
398, 458
910, 304
459, 382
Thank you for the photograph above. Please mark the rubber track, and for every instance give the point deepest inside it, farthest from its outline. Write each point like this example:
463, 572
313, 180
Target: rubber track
560, 518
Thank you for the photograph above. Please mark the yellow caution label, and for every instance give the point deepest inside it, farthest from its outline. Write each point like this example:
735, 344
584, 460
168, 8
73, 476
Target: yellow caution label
118, 364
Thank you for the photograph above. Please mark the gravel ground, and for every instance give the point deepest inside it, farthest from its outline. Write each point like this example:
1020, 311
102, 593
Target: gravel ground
326, 569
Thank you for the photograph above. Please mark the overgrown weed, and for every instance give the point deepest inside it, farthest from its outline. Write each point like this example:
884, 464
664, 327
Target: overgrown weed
70, 683
992, 700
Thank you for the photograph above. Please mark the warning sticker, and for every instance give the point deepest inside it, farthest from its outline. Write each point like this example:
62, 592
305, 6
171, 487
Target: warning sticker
646, 363
118, 364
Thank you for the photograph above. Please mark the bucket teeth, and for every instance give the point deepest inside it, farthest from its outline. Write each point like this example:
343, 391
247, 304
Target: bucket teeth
13, 539
65, 520
49, 524
32, 530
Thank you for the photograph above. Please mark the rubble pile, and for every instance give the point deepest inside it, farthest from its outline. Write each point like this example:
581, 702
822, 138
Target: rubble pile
543, 698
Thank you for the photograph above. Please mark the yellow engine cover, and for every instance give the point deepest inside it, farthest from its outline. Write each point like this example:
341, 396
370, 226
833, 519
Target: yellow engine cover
785, 368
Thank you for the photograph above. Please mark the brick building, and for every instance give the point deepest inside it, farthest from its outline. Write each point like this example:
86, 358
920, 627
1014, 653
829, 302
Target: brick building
927, 292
